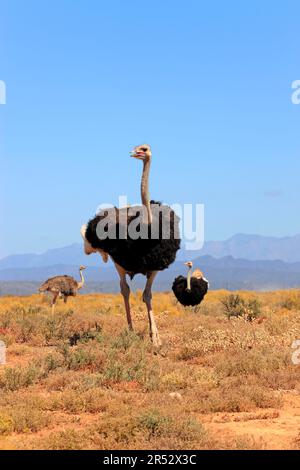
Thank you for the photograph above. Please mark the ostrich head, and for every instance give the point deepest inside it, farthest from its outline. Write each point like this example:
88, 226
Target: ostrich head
142, 152
81, 268
189, 264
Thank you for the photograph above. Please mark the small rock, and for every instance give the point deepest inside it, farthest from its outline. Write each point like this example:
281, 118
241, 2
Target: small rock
175, 396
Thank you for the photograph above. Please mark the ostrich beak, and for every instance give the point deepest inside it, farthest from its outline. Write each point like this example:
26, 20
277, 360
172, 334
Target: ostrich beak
189, 264
139, 155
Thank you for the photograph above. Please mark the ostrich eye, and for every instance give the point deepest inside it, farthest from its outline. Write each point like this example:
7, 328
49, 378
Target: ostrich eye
144, 149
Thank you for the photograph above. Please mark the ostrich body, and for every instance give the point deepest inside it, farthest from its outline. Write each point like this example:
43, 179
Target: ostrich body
144, 254
190, 291
63, 286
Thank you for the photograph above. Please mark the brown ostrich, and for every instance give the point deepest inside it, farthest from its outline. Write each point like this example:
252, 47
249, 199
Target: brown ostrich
142, 255
62, 286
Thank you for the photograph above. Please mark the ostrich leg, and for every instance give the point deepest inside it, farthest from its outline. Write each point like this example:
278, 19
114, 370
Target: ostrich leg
125, 291
147, 298
54, 298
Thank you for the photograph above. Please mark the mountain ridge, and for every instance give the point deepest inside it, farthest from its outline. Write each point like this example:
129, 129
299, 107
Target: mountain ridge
240, 246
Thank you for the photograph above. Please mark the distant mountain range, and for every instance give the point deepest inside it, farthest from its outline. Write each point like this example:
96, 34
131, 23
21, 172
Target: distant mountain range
251, 247
68, 255
241, 262
255, 247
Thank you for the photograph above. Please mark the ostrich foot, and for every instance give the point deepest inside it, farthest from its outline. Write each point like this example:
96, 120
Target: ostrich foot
156, 341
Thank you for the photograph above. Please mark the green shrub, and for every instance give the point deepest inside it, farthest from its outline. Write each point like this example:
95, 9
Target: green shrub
6, 424
15, 378
154, 423
125, 340
68, 439
27, 419
235, 306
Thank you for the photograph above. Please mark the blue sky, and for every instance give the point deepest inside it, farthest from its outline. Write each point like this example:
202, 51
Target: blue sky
207, 84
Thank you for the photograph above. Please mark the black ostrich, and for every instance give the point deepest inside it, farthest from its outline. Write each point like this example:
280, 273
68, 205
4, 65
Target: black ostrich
151, 248
190, 291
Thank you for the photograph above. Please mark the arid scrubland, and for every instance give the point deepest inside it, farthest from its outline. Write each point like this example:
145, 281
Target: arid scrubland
224, 378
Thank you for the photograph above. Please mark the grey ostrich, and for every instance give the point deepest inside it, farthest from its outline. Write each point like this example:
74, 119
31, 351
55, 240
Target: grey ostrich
137, 255
62, 286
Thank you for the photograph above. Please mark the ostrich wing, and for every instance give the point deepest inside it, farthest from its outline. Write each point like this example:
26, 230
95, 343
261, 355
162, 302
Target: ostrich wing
67, 285
137, 255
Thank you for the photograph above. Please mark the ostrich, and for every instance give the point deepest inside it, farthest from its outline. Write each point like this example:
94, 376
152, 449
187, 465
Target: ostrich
62, 286
190, 291
142, 254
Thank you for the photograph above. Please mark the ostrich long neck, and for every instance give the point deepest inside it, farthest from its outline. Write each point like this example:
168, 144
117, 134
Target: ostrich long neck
81, 283
189, 279
145, 189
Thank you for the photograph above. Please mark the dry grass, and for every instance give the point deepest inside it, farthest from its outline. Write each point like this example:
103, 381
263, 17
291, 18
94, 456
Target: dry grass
78, 379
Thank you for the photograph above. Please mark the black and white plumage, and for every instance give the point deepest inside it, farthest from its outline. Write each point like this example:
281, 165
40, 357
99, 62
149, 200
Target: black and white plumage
190, 290
139, 254
62, 286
